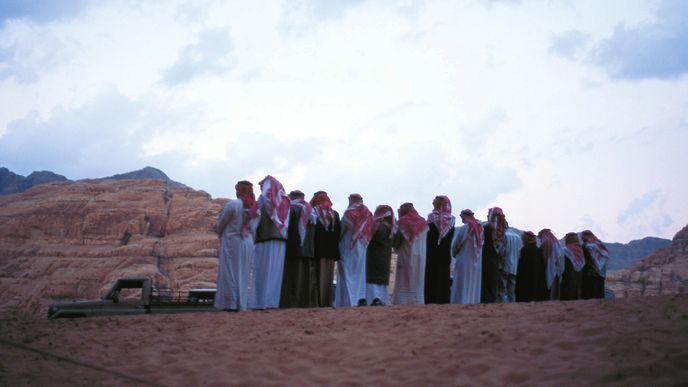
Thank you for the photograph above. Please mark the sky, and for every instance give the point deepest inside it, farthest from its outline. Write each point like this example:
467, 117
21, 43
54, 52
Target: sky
568, 115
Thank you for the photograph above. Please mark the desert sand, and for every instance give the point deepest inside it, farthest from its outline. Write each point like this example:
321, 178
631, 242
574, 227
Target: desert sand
638, 341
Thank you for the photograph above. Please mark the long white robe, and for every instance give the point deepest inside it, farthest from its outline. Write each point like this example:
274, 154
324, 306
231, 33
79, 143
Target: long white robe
467, 269
409, 282
351, 269
236, 256
268, 267
381, 292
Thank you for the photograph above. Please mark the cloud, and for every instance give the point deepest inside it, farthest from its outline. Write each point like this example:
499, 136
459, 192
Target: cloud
645, 214
476, 134
12, 67
211, 55
638, 205
41, 11
27, 50
568, 43
77, 143
657, 49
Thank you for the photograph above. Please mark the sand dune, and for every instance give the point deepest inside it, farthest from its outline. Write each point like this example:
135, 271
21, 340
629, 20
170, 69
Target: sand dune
643, 341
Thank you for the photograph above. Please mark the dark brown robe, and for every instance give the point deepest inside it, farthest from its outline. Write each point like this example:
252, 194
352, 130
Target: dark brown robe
571, 282
437, 261
300, 278
531, 281
326, 247
379, 256
490, 275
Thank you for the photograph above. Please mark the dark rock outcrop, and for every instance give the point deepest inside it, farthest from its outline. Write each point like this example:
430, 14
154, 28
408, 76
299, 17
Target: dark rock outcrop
623, 255
11, 182
148, 173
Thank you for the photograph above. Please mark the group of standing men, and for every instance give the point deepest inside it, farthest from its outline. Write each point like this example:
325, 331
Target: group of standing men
280, 251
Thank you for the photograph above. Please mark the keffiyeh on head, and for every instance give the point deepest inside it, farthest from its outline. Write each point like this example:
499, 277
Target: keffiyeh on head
497, 220
597, 249
361, 220
529, 238
548, 242
384, 214
441, 216
323, 207
411, 224
244, 191
576, 257
589, 237
276, 203
475, 232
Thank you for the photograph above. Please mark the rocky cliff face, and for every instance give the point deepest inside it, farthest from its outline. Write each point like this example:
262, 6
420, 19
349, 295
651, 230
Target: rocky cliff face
73, 240
664, 271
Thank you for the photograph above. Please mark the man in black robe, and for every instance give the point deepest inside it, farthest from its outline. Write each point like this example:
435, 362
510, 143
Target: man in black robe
438, 252
379, 256
493, 255
299, 281
571, 281
326, 245
531, 282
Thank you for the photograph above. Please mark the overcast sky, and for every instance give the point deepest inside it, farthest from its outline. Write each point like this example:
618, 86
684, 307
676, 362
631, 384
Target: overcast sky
568, 115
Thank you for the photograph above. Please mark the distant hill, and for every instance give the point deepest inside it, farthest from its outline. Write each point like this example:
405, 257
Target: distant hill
11, 182
622, 256
148, 173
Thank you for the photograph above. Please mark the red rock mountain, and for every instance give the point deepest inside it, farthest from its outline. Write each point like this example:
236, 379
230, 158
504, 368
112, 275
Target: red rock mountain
74, 239
664, 271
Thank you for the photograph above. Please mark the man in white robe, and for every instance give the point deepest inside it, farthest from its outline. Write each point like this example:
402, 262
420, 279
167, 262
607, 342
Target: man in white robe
236, 227
507, 271
467, 248
271, 245
357, 229
411, 243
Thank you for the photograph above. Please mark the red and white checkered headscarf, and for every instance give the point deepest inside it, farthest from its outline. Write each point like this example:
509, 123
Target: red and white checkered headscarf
360, 219
475, 232
244, 191
323, 207
276, 203
441, 216
384, 214
297, 199
411, 224
499, 225
577, 257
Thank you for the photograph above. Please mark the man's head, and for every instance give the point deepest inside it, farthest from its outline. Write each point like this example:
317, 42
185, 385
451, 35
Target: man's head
243, 187
571, 238
296, 195
405, 209
466, 214
355, 198
441, 202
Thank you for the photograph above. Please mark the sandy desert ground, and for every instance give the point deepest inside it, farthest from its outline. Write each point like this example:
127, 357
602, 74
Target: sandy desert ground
641, 341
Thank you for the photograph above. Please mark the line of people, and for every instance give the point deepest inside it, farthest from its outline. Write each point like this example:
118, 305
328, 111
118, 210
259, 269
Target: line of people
294, 246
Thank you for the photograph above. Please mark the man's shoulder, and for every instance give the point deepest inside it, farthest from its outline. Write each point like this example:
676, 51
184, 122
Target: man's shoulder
234, 203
